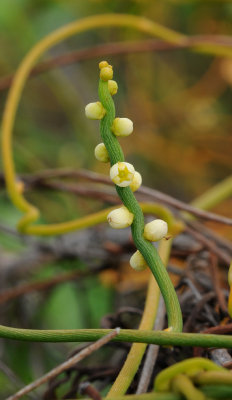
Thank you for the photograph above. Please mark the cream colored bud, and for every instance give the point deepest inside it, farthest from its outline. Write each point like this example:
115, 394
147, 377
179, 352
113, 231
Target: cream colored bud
103, 64
155, 230
136, 182
95, 110
137, 261
122, 174
120, 218
101, 153
106, 73
122, 127
113, 87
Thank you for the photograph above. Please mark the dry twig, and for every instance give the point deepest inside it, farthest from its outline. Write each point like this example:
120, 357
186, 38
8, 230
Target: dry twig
66, 365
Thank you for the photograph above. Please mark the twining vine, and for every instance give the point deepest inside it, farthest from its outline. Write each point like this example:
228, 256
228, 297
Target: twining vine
122, 174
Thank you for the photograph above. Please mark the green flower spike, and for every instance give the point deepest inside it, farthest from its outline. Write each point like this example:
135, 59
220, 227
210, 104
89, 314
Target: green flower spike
126, 181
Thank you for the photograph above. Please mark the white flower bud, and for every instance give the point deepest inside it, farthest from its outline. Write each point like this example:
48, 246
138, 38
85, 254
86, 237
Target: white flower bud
120, 218
136, 182
155, 230
95, 110
137, 261
122, 174
113, 87
101, 153
122, 127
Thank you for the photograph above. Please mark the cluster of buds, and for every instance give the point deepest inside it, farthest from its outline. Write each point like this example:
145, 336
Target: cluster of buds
122, 173
153, 231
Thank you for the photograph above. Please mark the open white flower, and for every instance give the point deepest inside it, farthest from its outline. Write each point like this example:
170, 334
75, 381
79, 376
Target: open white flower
95, 110
138, 262
136, 182
155, 230
122, 174
101, 153
122, 127
120, 218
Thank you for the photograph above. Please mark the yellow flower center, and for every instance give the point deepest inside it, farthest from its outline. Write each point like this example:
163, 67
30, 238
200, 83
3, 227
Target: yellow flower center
123, 172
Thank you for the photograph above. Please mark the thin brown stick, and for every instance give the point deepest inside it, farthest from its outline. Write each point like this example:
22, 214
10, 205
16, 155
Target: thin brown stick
152, 193
209, 244
15, 292
152, 352
116, 49
90, 390
94, 52
66, 365
195, 312
81, 190
35, 179
219, 329
221, 241
216, 283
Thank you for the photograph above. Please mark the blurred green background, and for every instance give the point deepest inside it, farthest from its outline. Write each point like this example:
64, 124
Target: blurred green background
179, 101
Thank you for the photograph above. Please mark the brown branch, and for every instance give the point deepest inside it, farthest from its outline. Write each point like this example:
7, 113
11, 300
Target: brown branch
81, 191
15, 292
119, 48
66, 365
196, 310
216, 282
209, 244
90, 390
39, 179
221, 241
152, 193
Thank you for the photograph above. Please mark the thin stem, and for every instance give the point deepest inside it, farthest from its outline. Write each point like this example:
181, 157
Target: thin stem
162, 338
136, 353
145, 247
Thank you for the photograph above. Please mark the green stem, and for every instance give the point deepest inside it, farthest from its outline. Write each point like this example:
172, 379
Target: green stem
217, 391
162, 338
145, 247
135, 355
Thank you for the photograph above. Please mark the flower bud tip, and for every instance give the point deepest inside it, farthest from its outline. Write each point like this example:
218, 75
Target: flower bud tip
120, 218
155, 230
138, 262
122, 127
101, 153
95, 110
